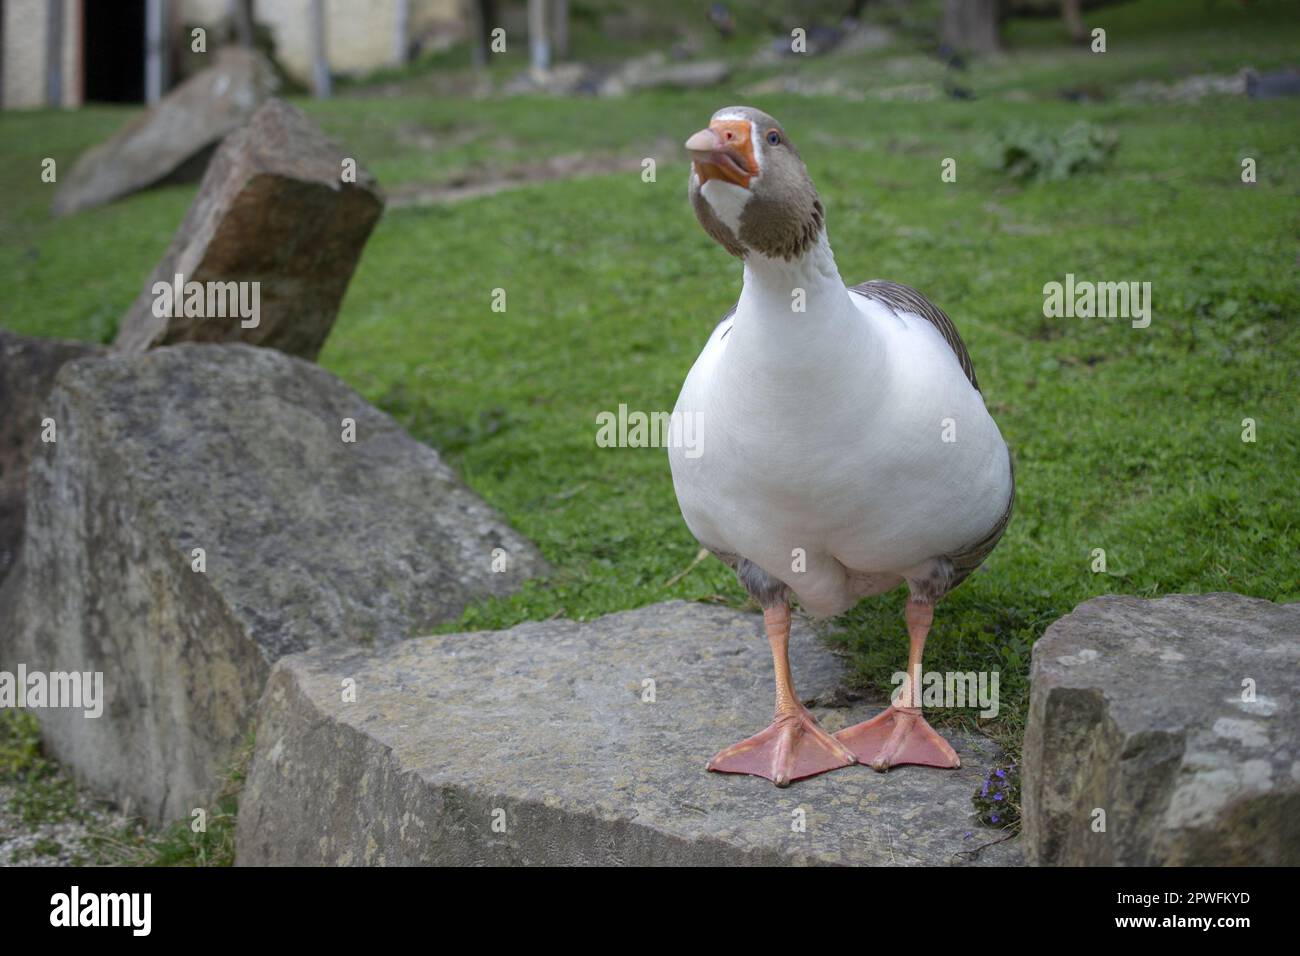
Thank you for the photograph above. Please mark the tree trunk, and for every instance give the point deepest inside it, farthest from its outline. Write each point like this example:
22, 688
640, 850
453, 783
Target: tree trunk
483, 18
1071, 13
971, 25
560, 29
241, 15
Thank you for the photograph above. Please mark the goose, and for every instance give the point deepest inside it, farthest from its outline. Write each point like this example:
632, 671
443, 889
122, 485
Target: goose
847, 447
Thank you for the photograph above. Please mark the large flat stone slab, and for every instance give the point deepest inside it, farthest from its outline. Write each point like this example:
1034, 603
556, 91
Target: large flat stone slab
274, 216
306, 538
1177, 719
544, 728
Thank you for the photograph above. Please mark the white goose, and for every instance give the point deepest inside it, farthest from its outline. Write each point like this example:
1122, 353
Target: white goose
847, 449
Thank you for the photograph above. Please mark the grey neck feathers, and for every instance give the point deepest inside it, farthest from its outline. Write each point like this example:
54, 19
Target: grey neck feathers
782, 230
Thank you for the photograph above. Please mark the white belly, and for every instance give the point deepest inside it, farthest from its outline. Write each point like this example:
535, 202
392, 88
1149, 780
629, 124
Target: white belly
856, 458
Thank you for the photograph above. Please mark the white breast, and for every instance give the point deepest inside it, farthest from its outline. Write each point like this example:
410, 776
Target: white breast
827, 437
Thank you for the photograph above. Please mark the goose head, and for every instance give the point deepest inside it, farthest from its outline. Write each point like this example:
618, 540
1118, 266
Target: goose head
750, 189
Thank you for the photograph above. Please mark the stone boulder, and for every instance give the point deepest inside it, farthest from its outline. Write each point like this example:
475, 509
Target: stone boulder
656, 71
27, 369
540, 745
274, 217
173, 141
1176, 718
306, 539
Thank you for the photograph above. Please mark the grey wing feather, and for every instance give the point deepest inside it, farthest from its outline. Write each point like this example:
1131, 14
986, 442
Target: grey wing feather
726, 318
972, 556
906, 299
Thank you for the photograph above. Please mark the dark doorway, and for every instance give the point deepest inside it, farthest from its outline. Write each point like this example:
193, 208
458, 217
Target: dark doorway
114, 51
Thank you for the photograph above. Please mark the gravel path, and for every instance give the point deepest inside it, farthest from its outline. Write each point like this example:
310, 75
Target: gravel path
76, 840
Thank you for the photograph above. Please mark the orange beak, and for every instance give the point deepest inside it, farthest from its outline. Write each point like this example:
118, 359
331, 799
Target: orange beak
724, 151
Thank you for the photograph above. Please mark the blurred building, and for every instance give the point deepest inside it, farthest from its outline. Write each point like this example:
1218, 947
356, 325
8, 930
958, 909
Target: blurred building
67, 52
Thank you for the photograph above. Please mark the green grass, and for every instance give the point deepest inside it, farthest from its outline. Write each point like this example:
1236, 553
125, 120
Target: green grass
1125, 439
43, 794
39, 793
1163, 40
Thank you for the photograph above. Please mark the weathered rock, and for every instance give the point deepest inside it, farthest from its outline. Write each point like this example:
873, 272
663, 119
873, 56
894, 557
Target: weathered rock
1189, 89
865, 37
1140, 709
27, 369
651, 71
654, 70
563, 79
173, 141
1274, 85
544, 727
307, 539
272, 210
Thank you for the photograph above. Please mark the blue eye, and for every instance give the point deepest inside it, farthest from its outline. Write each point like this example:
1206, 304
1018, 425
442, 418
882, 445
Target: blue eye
774, 138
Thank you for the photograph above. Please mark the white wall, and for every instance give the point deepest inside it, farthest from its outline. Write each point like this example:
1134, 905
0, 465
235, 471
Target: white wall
24, 54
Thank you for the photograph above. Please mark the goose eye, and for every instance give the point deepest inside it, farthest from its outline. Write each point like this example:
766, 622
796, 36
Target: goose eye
773, 137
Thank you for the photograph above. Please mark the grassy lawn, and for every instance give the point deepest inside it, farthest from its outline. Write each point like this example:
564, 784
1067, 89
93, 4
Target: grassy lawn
1127, 440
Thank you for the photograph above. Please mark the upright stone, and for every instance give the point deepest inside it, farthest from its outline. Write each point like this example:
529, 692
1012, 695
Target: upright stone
173, 141
27, 370
204, 513
1165, 733
274, 217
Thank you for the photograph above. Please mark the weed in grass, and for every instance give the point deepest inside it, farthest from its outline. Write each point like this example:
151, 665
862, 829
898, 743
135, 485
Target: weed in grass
1030, 154
41, 793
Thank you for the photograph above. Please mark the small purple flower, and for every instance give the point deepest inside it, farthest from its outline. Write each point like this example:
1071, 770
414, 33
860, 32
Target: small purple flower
994, 818
997, 796
1001, 773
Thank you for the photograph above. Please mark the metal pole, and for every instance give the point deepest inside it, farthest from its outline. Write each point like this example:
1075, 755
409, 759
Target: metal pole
402, 33
154, 68
320, 65
538, 44
54, 53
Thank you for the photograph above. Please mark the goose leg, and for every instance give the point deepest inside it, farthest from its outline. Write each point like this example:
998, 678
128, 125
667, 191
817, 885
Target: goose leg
900, 735
794, 745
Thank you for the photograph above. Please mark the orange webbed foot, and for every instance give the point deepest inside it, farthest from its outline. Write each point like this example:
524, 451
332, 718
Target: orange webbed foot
898, 736
792, 747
